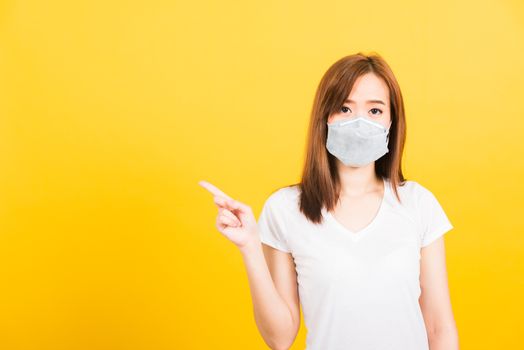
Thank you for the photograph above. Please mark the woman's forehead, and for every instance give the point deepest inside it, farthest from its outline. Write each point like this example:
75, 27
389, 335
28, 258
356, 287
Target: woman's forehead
369, 87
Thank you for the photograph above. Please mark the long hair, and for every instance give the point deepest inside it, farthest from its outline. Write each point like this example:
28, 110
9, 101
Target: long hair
320, 183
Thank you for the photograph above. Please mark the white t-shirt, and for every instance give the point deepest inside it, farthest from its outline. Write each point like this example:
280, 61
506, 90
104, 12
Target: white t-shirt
358, 291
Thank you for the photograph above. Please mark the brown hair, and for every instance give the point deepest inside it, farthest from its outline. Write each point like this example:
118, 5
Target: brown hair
320, 184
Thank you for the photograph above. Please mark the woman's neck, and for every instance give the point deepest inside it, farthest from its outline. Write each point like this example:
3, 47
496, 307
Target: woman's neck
355, 181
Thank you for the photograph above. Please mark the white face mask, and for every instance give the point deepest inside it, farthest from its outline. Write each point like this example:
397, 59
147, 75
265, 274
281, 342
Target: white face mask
358, 141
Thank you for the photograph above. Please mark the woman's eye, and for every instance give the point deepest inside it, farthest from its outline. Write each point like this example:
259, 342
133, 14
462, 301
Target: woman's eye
344, 109
376, 110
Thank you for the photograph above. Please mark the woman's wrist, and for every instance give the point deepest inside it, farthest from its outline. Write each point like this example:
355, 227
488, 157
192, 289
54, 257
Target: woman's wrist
251, 246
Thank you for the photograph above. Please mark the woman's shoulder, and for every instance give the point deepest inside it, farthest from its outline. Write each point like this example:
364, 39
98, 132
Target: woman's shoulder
413, 190
288, 197
284, 197
292, 192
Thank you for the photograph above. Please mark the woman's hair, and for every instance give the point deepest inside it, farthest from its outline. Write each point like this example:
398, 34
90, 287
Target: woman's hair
320, 183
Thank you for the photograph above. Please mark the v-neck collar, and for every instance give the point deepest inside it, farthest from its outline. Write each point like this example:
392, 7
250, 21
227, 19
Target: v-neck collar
360, 233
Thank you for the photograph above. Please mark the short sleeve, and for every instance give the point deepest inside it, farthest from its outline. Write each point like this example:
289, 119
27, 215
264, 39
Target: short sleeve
271, 224
434, 221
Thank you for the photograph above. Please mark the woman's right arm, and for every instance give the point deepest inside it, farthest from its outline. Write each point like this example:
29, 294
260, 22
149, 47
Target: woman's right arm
271, 272
273, 284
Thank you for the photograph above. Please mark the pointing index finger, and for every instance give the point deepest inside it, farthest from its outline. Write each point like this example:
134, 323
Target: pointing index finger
213, 189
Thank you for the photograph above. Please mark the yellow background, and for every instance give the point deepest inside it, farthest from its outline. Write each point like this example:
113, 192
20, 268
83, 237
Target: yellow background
112, 111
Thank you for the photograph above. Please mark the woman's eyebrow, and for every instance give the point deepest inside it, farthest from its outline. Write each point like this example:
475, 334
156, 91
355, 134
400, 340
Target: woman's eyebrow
368, 101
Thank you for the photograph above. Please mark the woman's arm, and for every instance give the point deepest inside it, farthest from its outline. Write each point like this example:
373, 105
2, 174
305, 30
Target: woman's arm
271, 272
435, 300
273, 284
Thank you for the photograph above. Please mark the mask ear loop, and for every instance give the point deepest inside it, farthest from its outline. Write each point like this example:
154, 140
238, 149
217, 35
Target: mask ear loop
389, 128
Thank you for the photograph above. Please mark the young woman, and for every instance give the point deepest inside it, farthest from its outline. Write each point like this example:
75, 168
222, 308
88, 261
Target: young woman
358, 246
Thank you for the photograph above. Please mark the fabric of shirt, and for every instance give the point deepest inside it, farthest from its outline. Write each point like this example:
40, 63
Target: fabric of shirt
358, 290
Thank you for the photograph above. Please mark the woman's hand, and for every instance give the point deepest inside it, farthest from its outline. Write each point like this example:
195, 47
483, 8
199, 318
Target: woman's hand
235, 220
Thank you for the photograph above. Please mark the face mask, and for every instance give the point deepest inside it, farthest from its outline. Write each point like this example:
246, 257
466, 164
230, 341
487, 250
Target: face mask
358, 141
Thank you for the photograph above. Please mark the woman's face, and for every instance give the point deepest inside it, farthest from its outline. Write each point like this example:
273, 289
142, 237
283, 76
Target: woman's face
369, 97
